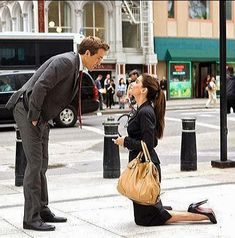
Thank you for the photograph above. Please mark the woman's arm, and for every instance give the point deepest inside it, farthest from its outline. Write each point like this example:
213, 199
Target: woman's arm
147, 131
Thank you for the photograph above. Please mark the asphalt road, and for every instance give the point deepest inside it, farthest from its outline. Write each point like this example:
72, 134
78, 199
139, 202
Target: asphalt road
89, 140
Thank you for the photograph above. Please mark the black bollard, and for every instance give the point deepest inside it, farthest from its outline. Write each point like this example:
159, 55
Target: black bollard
111, 158
20, 160
188, 145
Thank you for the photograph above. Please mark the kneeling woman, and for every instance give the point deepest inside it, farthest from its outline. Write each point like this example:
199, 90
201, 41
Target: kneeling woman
147, 124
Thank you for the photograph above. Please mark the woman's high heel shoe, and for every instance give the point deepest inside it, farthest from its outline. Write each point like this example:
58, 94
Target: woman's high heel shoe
194, 208
195, 205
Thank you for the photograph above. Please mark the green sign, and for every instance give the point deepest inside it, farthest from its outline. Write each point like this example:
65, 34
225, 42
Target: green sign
180, 82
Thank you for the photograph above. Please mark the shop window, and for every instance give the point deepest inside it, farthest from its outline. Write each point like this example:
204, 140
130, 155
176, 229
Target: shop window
59, 17
199, 9
93, 20
171, 9
228, 10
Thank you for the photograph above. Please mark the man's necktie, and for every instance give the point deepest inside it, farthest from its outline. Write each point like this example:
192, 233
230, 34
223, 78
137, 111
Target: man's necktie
80, 99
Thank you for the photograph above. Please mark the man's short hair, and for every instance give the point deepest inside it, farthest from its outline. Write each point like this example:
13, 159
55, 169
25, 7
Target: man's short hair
134, 71
230, 70
93, 44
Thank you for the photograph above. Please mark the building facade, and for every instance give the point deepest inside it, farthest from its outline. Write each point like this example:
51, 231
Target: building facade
186, 38
126, 25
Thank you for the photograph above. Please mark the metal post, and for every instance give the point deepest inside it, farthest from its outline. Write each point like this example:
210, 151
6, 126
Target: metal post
188, 145
223, 162
111, 158
20, 160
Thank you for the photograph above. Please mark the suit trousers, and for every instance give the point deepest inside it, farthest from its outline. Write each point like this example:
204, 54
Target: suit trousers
35, 145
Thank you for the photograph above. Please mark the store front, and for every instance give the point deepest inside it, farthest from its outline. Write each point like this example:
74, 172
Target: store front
187, 62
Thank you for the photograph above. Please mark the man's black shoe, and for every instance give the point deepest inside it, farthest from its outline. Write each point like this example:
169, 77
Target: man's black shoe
50, 217
38, 226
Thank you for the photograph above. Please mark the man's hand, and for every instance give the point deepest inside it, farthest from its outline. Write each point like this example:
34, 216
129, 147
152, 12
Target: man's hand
34, 123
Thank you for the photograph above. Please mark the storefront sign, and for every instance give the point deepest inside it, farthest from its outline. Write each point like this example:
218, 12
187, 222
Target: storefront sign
105, 67
180, 82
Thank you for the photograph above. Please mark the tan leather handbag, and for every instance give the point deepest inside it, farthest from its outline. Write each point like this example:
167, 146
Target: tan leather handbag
140, 180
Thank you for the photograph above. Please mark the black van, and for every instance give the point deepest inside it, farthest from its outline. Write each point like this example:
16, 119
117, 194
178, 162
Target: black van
11, 81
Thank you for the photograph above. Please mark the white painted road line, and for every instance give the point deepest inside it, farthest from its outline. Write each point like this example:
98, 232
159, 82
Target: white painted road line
197, 123
93, 129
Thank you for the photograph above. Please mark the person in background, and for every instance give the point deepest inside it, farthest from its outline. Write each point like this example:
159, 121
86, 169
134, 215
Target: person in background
147, 124
99, 86
4, 85
106, 79
133, 75
121, 93
206, 82
230, 89
52, 87
163, 85
110, 90
211, 88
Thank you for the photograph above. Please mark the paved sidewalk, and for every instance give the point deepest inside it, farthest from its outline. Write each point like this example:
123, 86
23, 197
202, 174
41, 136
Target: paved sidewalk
95, 209
177, 104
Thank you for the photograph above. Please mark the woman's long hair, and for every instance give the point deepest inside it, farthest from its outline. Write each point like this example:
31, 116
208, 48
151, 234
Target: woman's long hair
156, 96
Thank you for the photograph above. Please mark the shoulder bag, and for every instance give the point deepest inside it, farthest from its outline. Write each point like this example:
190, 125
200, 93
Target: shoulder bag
140, 180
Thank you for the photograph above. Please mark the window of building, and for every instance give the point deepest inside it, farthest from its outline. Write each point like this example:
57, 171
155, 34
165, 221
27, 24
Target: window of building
171, 9
8, 21
131, 33
93, 20
31, 17
199, 9
19, 18
59, 17
228, 10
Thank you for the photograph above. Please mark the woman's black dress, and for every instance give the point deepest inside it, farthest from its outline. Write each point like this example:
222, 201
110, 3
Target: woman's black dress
141, 126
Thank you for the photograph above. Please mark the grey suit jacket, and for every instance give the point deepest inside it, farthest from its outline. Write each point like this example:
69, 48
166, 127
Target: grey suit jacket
51, 88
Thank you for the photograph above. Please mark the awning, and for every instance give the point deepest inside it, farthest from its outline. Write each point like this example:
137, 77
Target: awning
192, 55
191, 49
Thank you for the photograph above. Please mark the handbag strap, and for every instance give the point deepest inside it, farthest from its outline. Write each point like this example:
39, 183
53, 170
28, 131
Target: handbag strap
145, 151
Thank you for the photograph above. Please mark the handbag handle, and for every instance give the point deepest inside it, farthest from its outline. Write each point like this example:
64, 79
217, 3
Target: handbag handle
145, 151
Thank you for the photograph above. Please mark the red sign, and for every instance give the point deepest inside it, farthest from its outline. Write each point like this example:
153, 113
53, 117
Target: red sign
106, 66
41, 22
179, 68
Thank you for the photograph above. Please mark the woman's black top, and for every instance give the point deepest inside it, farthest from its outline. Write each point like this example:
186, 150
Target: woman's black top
142, 126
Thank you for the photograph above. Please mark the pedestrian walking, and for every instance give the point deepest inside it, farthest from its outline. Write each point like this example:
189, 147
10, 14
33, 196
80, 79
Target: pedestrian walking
52, 87
211, 88
147, 124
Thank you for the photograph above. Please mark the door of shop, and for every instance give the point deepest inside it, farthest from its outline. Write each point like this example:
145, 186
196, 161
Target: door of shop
204, 70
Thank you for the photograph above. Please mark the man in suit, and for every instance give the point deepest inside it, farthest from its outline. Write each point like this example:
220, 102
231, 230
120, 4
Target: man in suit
50, 89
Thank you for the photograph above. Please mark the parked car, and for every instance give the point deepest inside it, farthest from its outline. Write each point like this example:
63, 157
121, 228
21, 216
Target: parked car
14, 80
